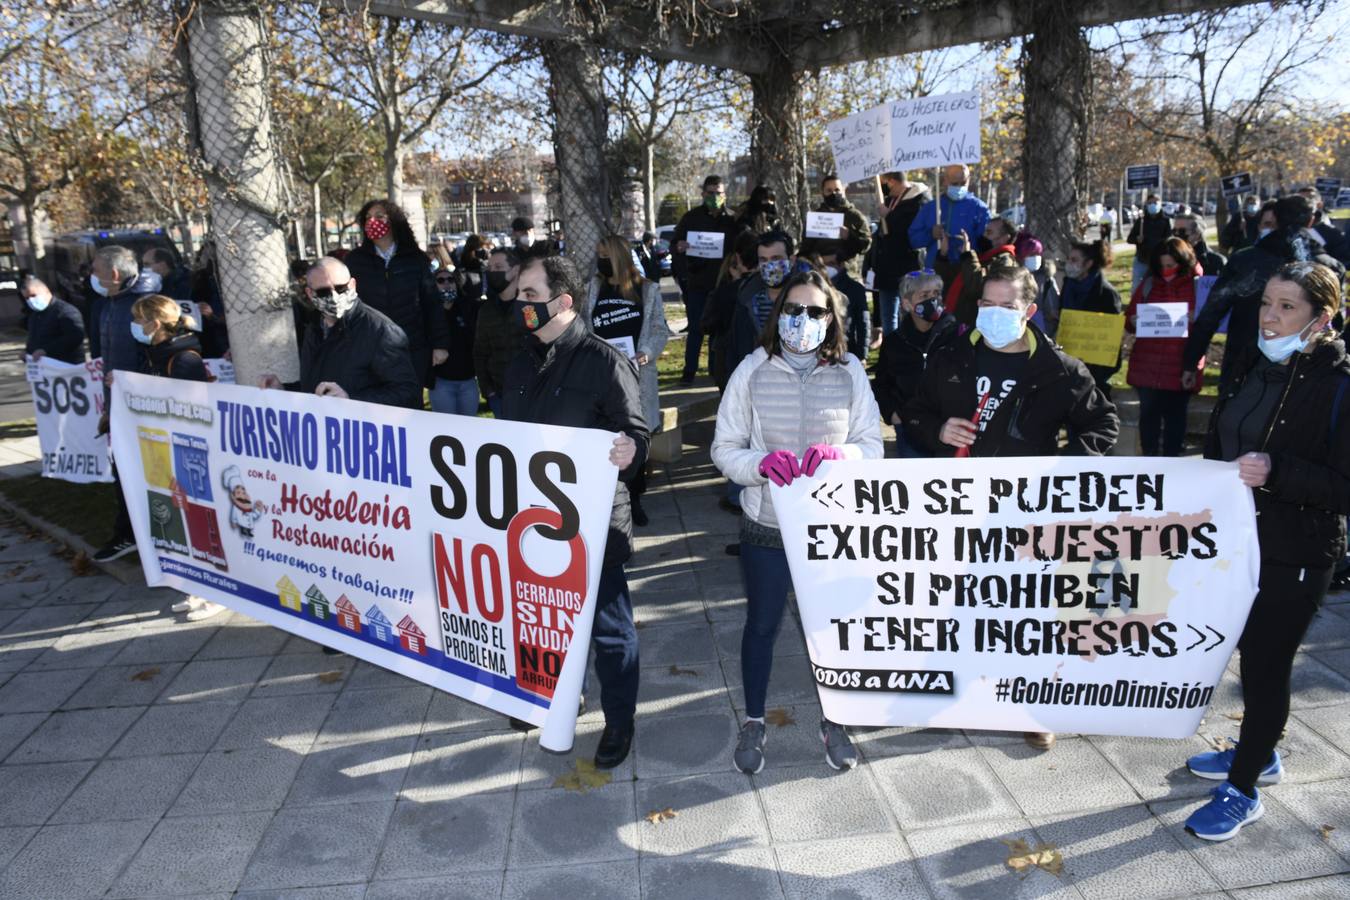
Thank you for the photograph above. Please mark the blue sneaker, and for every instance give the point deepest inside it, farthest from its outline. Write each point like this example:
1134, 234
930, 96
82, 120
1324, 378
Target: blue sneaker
1224, 815
1215, 764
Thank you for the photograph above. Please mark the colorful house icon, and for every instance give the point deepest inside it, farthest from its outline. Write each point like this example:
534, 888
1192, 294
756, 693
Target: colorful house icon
411, 637
347, 615
319, 607
380, 627
288, 593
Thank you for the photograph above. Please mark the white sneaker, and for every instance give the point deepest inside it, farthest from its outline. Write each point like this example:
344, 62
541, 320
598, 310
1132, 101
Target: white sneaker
206, 611
187, 604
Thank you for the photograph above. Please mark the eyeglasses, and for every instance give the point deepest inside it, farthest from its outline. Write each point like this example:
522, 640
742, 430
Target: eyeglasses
797, 309
326, 292
917, 272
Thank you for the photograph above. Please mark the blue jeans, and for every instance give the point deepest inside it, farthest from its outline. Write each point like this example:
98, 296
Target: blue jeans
615, 638
1137, 274
495, 404
457, 397
890, 311
903, 448
767, 581
694, 301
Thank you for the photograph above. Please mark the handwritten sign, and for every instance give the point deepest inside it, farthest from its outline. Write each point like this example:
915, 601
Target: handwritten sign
1162, 320
705, 244
928, 131
824, 225
1092, 337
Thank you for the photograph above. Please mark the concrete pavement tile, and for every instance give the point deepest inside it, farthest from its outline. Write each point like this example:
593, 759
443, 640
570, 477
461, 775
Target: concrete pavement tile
327, 892
926, 790
25, 594
666, 606
1071, 776
1316, 684
788, 643
686, 744
290, 722
879, 743
1330, 628
185, 728
188, 856
1154, 767
12, 841
122, 686
446, 837
790, 681
600, 826
713, 812
177, 644
734, 873
230, 781
140, 788
298, 673
450, 713
1331, 722
683, 643
818, 803
467, 886
446, 766
1316, 805
377, 714
40, 691
1123, 854
683, 688
1308, 757
87, 649
235, 639
862, 868
597, 881
86, 589
13, 730
50, 620
76, 734
32, 793
1278, 847
352, 773
1311, 889
969, 861
365, 676
1337, 660
69, 861
215, 679
311, 846
539, 767
17, 653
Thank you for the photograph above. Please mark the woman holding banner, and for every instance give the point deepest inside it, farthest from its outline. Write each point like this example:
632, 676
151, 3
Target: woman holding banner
1166, 301
799, 399
1086, 289
1284, 419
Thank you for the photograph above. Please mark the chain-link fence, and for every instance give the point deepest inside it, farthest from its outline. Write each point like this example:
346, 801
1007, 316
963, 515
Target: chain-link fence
579, 131
229, 118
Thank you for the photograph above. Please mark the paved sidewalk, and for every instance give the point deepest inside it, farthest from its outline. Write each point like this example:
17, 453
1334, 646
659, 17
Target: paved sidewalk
143, 756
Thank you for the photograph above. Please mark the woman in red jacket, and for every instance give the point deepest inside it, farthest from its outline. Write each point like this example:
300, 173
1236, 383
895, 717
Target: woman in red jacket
1162, 308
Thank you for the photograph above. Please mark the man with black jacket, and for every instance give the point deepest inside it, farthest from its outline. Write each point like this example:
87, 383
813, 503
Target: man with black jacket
697, 275
925, 329
565, 375
1148, 231
892, 254
1238, 290
353, 351
55, 327
855, 235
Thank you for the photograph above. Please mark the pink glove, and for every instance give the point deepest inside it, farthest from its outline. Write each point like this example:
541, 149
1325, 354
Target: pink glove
816, 454
780, 467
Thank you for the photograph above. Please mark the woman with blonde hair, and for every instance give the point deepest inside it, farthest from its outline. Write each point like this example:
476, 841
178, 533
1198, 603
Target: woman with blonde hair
624, 309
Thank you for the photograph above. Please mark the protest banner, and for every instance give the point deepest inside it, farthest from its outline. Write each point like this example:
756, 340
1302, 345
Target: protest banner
1140, 178
824, 225
1083, 595
705, 244
1092, 337
68, 402
936, 130
1237, 184
1162, 320
463, 554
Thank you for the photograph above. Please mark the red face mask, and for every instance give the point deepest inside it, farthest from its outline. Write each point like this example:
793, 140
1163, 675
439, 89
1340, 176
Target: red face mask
376, 229
1170, 272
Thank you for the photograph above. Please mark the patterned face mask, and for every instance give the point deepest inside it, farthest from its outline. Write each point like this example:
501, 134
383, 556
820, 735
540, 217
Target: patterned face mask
775, 271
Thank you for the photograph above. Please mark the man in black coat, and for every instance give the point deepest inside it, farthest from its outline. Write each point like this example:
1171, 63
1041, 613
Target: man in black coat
697, 275
1148, 231
892, 255
175, 281
565, 375
352, 351
1334, 241
55, 327
1238, 290
925, 329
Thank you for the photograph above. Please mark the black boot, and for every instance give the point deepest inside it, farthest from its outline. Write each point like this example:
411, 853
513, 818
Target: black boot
615, 743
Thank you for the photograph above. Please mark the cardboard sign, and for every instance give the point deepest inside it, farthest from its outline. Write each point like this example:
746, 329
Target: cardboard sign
1162, 320
1092, 337
624, 345
705, 244
824, 225
1141, 178
1236, 185
922, 132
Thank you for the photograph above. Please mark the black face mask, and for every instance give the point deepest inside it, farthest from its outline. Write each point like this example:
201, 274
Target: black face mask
533, 315
929, 310
769, 209
834, 201
497, 281
885, 190
481, 253
605, 267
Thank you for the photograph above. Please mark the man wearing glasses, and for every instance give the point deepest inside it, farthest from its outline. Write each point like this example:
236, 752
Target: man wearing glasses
352, 351
702, 240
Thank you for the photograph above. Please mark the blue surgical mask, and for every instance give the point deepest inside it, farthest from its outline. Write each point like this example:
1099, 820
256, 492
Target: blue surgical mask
1152, 208
1262, 232
801, 334
139, 333
775, 271
1277, 350
39, 303
957, 192
97, 285
1251, 210
1000, 326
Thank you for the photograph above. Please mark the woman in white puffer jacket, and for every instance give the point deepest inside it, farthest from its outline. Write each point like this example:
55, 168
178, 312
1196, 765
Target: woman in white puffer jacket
799, 399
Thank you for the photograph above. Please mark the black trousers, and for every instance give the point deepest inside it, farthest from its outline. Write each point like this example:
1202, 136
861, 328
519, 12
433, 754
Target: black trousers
1285, 604
122, 530
1162, 421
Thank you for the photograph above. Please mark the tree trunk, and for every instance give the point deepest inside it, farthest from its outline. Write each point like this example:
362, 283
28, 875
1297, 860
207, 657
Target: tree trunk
393, 172
32, 231
316, 202
473, 207
580, 122
185, 235
775, 147
1057, 90
229, 110
649, 203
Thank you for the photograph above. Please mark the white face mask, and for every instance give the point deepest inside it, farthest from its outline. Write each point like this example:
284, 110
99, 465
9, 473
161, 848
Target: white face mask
1033, 263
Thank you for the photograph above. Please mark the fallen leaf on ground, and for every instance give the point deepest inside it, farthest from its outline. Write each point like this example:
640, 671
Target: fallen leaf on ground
330, 677
82, 565
780, 717
146, 674
1220, 743
583, 777
1236, 717
1022, 858
676, 670
1326, 831
657, 816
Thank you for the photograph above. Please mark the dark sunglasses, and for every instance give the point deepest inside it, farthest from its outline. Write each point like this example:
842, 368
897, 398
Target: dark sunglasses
797, 309
325, 293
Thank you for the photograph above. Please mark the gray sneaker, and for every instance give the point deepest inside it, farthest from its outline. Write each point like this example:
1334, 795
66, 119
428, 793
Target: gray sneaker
749, 756
839, 752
